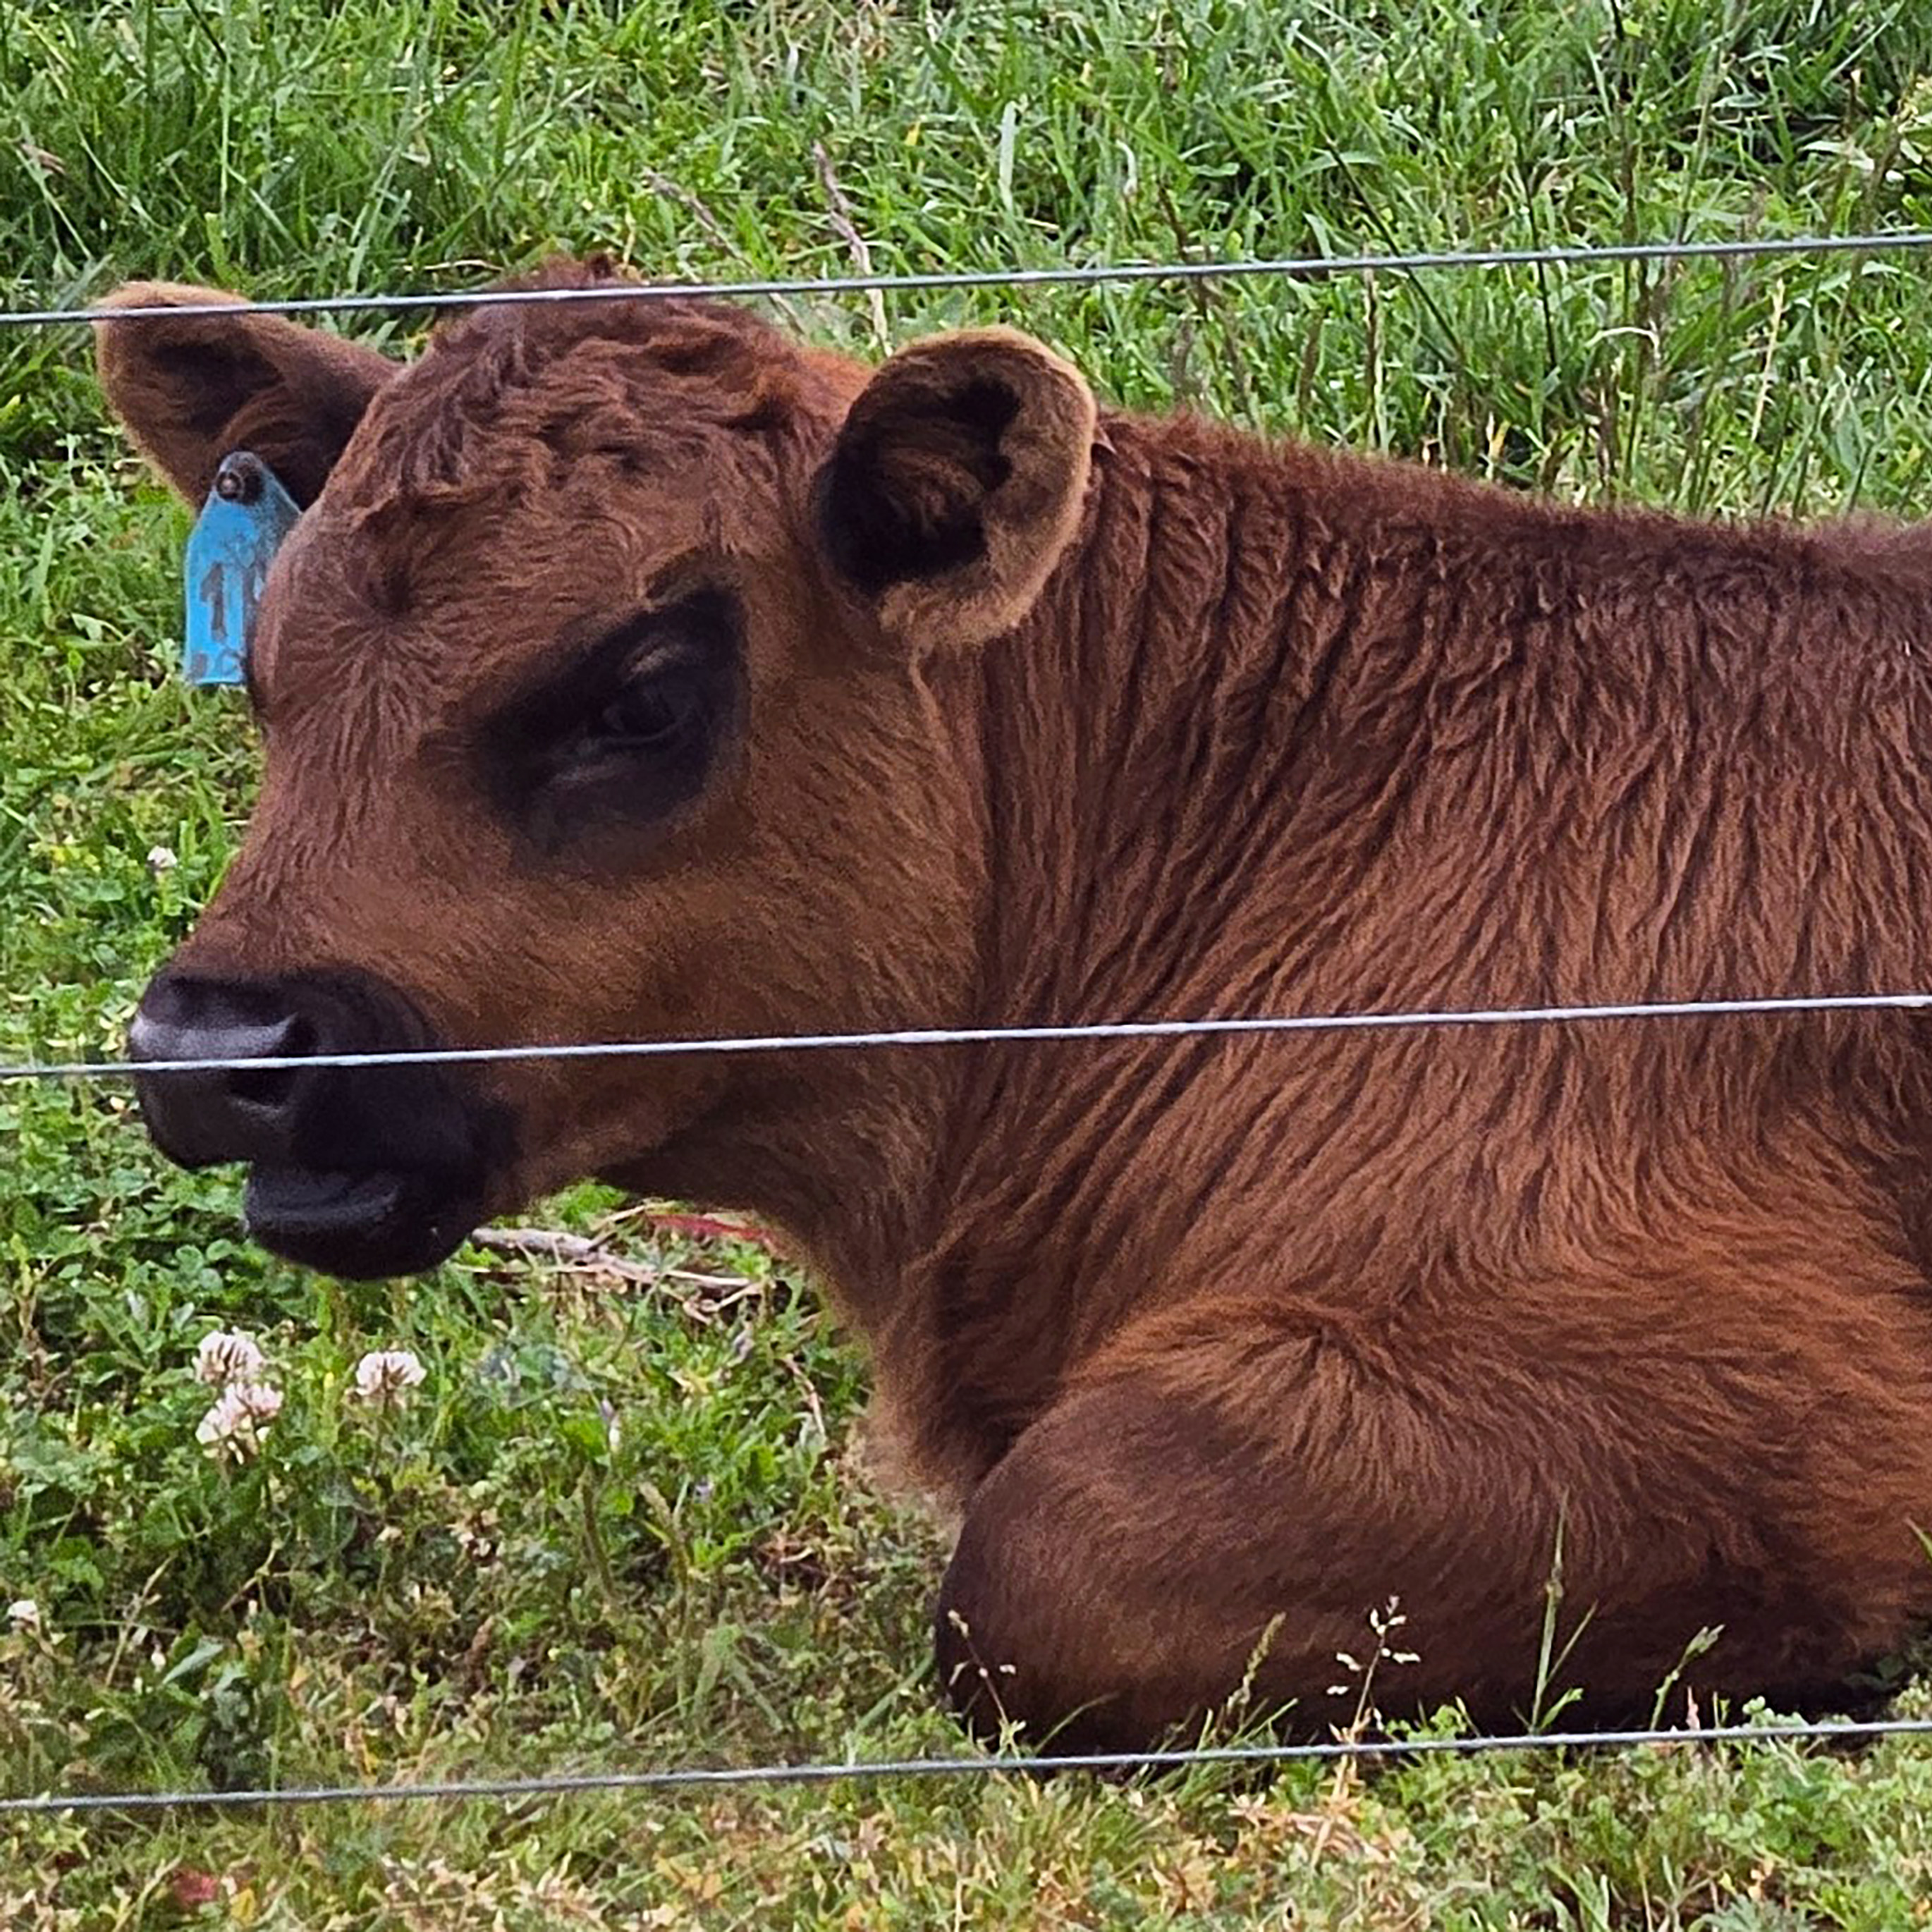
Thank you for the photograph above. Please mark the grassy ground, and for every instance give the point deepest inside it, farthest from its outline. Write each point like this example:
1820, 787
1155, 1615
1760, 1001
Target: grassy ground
623, 1520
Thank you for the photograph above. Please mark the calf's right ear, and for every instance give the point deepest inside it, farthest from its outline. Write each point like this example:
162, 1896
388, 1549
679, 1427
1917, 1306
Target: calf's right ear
191, 388
956, 483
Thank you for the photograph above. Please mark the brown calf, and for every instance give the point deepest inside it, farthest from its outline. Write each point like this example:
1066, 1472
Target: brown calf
639, 672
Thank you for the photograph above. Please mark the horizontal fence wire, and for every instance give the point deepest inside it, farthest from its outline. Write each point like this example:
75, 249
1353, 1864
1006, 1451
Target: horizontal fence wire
1344, 1750
1071, 275
981, 1035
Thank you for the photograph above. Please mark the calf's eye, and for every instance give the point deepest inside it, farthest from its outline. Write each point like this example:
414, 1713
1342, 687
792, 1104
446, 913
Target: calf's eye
646, 717
600, 754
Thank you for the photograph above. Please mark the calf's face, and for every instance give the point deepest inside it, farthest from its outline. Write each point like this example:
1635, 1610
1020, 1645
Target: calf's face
593, 695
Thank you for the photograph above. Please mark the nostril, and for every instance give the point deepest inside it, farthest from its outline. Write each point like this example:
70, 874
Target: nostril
268, 1089
203, 1052
272, 1088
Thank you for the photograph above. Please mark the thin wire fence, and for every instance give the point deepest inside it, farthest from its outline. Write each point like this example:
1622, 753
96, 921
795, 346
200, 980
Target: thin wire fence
1070, 275
1340, 1750
686, 1778
980, 1036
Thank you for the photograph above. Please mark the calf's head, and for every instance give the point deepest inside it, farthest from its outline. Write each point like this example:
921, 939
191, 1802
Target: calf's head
596, 695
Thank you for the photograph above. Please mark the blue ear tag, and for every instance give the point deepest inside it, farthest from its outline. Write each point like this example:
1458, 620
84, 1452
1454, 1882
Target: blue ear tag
234, 540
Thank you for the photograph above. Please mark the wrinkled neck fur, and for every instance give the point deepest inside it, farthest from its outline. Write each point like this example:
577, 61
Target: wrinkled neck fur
1272, 665
1292, 732
1168, 672
1142, 733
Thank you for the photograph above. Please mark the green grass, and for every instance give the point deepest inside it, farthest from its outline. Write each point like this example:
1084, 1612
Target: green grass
488, 1580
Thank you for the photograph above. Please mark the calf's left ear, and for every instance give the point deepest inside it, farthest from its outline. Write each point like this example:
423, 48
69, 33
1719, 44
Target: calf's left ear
956, 483
190, 389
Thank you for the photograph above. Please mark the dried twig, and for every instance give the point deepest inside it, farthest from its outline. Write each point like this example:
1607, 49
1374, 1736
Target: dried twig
735, 1288
694, 205
809, 1392
589, 1256
695, 1227
839, 212
576, 1252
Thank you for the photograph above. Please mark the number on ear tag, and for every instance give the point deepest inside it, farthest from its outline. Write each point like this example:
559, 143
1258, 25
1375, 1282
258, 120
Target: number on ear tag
234, 540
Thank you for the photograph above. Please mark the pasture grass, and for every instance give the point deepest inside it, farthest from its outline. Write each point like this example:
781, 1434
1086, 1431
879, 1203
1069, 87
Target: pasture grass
626, 1521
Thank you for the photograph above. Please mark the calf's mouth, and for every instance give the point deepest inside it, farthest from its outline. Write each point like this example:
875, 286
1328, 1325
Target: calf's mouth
361, 1171
362, 1226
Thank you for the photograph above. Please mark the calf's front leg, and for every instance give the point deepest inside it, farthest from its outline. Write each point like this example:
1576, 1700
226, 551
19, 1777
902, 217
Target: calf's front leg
1232, 1476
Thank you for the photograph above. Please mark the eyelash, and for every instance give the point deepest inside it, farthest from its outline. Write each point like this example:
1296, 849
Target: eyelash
617, 725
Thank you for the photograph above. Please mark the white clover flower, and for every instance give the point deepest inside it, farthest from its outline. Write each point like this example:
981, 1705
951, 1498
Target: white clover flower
384, 1376
235, 1425
24, 1614
228, 1356
161, 859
